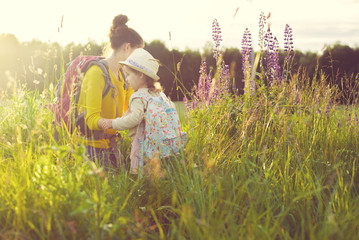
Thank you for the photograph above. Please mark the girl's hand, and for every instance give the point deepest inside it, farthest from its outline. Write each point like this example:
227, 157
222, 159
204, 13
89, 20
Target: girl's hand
104, 123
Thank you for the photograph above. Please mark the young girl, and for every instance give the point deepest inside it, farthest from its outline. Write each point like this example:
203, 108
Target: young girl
141, 70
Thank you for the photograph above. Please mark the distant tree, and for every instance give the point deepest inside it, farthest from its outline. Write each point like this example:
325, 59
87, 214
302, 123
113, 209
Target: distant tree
39, 64
72, 50
189, 71
167, 72
340, 64
339, 60
9, 54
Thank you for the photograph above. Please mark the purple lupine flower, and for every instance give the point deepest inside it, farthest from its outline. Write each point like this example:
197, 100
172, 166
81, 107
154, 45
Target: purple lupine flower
246, 59
215, 93
288, 43
210, 89
186, 104
195, 100
189, 105
206, 92
268, 40
271, 66
268, 55
201, 91
208, 85
225, 78
217, 38
262, 22
246, 47
356, 119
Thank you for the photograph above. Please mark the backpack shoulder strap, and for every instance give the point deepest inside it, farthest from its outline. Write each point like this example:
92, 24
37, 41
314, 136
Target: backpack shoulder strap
125, 84
142, 96
139, 95
106, 74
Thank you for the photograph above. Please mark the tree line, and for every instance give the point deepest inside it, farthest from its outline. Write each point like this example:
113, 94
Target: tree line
39, 64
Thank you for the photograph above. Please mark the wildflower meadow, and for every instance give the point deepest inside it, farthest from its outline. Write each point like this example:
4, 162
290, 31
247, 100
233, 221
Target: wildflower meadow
279, 161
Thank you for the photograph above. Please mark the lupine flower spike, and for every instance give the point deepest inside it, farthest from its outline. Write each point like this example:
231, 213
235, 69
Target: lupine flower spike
268, 44
288, 50
247, 61
288, 43
271, 65
262, 23
217, 38
211, 89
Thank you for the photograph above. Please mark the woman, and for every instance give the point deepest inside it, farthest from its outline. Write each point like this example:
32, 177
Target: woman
101, 144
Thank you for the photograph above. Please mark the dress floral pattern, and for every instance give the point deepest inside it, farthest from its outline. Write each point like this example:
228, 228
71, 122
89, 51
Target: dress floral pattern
160, 131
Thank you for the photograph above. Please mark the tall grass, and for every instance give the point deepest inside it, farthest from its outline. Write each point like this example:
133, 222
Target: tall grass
279, 163
282, 170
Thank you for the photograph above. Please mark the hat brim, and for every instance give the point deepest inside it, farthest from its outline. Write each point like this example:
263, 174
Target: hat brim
147, 73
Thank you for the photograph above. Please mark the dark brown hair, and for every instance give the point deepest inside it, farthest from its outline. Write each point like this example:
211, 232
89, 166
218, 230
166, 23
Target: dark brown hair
120, 33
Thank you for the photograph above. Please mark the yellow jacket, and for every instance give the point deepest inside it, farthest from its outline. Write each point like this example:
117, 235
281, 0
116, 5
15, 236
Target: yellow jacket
97, 107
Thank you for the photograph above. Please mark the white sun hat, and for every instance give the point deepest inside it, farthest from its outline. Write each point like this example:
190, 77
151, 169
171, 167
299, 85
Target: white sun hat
144, 62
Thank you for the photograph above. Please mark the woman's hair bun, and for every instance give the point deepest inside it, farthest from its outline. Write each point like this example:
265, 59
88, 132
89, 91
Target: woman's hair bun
120, 33
120, 21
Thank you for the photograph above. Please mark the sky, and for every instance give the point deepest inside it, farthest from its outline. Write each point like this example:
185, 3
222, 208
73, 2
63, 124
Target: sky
315, 23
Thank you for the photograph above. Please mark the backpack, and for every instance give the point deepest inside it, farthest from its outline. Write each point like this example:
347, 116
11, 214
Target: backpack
162, 130
68, 93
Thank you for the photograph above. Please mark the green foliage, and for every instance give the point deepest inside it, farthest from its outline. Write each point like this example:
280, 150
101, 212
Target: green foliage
287, 169
281, 167
38, 64
280, 163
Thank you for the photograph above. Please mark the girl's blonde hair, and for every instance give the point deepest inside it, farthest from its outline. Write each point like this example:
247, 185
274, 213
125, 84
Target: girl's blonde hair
153, 86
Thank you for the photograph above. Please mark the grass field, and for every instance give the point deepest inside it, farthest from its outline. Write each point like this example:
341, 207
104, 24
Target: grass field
271, 171
181, 110
279, 162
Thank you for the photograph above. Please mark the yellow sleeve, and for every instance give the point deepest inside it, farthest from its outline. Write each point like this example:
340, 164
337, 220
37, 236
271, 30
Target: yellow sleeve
128, 93
94, 84
127, 98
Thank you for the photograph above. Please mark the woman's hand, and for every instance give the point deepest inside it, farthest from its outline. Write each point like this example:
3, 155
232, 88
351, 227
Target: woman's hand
105, 123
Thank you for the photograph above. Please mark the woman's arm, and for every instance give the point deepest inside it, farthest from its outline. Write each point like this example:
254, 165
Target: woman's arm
94, 87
